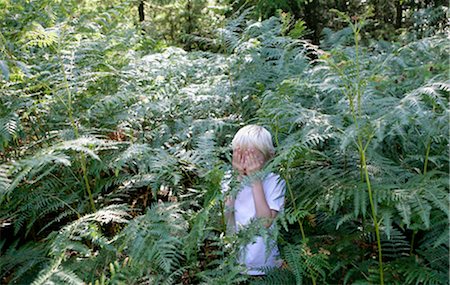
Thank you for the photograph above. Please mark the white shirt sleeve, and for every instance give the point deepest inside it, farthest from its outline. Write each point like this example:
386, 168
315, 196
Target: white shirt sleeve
225, 183
274, 189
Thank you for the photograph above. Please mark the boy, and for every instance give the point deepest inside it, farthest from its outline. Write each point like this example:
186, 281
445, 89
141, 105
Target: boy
261, 198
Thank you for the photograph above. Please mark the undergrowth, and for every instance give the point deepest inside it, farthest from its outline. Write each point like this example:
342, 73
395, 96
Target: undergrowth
113, 155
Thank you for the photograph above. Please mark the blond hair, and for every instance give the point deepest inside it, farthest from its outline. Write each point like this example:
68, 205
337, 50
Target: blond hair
254, 136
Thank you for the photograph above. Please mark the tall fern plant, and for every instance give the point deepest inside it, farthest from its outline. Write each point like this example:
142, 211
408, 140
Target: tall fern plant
353, 89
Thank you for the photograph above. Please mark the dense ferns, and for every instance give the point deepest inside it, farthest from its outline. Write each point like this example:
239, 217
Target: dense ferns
113, 157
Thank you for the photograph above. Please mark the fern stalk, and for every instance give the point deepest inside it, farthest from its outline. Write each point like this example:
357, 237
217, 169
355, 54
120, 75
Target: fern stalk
75, 127
427, 153
291, 194
374, 217
362, 149
300, 224
411, 248
288, 186
356, 115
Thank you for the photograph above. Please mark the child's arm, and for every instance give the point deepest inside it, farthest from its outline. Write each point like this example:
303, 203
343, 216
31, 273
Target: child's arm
229, 215
228, 205
262, 208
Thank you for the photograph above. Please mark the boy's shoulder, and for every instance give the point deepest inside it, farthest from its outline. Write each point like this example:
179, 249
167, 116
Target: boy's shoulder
273, 177
273, 182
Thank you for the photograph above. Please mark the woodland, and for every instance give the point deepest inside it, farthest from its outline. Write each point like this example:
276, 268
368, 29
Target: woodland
116, 119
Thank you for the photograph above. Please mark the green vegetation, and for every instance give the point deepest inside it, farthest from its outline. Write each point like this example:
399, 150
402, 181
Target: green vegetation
115, 128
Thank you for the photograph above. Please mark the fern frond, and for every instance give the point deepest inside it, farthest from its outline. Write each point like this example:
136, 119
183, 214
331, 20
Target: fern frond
277, 277
71, 238
32, 166
152, 241
22, 260
414, 271
5, 181
303, 263
9, 128
39, 36
439, 233
396, 245
68, 277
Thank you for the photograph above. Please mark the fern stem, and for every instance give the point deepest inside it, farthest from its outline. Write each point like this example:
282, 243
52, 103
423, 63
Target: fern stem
300, 224
361, 168
358, 79
291, 194
68, 206
374, 217
288, 186
411, 247
427, 153
357, 114
75, 127
86, 182
45, 274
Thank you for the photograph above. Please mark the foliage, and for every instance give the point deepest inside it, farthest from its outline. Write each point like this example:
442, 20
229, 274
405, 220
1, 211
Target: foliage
113, 153
189, 23
389, 18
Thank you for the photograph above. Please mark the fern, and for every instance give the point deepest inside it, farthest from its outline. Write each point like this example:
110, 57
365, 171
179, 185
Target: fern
22, 262
153, 241
38, 36
278, 277
30, 167
5, 181
414, 272
87, 107
71, 239
9, 128
303, 263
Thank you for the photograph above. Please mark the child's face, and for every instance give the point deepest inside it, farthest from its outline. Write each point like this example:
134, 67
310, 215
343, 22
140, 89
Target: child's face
257, 153
248, 159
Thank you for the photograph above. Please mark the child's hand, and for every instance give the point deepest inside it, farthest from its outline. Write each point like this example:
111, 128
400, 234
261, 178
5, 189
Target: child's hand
238, 161
253, 161
229, 202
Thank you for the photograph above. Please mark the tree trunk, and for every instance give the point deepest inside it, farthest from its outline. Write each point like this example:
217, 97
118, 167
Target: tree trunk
189, 11
295, 9
189, 25
398, 14
141, 11
313, 20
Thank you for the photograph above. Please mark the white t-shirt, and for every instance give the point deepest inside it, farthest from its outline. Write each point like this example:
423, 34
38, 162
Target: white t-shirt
256, 255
